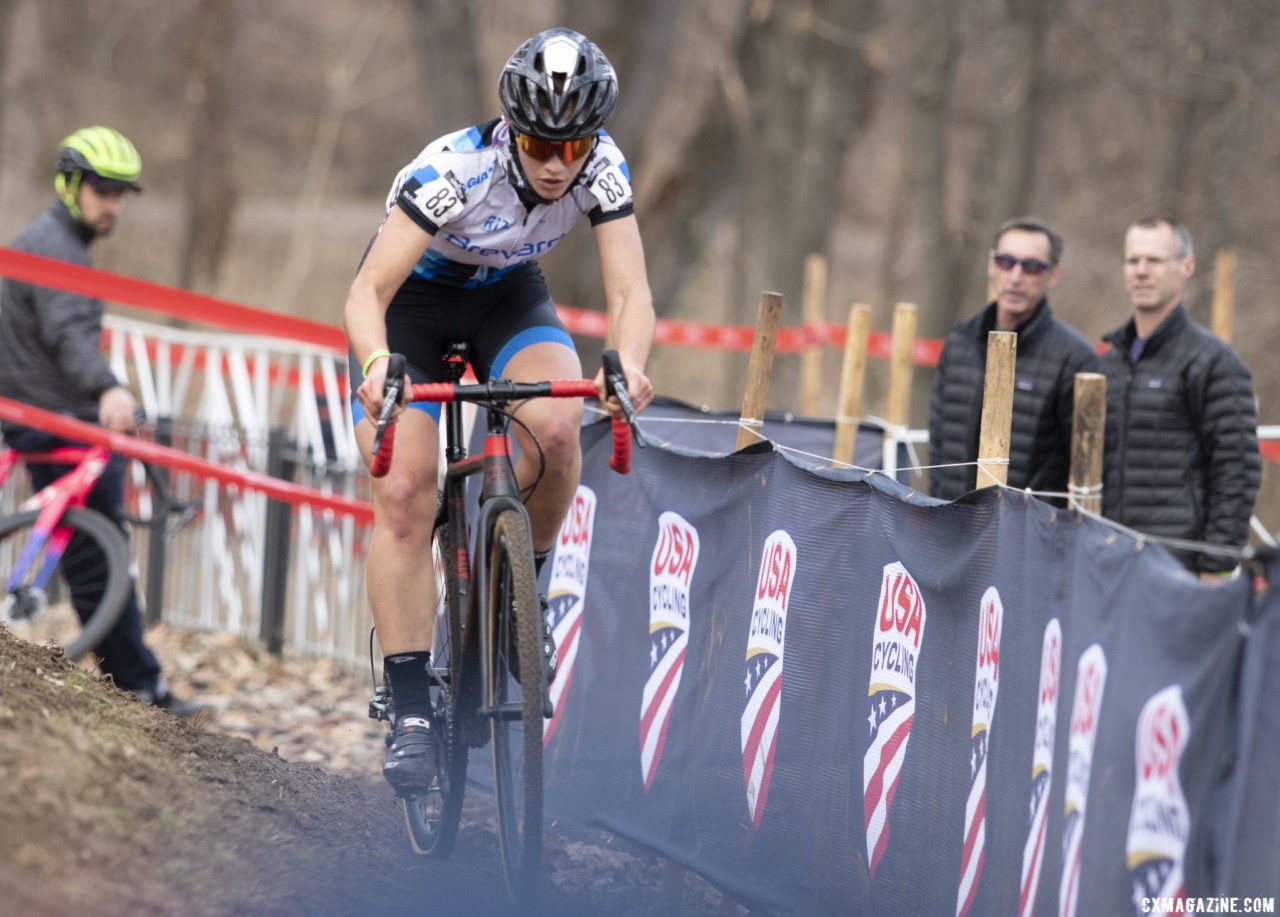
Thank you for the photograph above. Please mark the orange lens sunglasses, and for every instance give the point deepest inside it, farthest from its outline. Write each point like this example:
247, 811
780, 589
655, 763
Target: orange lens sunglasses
568, 150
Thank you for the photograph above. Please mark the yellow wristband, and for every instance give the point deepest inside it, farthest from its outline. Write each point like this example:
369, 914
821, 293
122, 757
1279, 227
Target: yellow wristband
377, 354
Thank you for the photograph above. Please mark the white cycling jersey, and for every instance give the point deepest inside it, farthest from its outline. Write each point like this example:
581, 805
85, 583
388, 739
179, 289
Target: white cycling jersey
468, 192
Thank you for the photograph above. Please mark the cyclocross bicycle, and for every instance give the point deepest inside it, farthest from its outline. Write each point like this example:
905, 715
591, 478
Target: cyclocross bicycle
488, 659
55, 527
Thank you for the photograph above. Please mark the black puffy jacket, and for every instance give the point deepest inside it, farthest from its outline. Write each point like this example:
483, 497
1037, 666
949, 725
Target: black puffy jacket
1181, 448
1049, 354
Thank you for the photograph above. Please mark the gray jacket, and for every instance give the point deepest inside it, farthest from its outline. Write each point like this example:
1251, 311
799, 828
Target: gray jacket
50, 340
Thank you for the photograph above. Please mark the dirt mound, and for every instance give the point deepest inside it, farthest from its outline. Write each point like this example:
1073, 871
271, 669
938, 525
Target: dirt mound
112, 807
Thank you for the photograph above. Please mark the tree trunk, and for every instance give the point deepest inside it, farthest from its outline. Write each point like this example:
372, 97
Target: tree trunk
928, 149
22, 139
210, 185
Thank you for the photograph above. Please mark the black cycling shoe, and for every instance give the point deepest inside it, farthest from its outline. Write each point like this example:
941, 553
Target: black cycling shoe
160, 696
410, 763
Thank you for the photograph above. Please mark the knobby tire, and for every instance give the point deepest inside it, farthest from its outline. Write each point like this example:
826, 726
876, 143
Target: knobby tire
517, 750
433, 817
91, 529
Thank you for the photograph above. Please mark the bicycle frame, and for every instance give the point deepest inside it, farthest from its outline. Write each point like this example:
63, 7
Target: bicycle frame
72, 489
499, 492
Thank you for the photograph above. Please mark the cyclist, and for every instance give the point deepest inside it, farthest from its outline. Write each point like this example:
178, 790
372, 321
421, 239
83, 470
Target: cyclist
454, 259
50, 357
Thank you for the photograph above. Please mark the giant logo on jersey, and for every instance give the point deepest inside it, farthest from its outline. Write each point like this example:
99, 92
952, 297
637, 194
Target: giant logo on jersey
675, 555
1091, 679
986, 685
765, 642
566, 592
1160, 821
1041, 766
891, 694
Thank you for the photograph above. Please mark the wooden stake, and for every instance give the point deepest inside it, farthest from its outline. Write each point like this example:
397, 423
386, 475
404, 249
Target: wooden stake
853, 373
759, 369
904, 339
997, 409
1224, 296
1088, 420
815, 295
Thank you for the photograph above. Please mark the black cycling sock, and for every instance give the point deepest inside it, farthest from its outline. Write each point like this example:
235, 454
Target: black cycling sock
410, 683
539, 558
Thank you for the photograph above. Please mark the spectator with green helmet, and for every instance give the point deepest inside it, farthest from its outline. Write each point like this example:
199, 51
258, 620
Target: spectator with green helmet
50, 357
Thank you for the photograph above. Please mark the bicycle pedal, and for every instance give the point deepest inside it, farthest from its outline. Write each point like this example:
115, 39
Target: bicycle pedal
25, 604
380, 704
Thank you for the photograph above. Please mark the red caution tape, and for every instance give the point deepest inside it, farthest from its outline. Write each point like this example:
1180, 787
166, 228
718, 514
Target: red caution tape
155, 454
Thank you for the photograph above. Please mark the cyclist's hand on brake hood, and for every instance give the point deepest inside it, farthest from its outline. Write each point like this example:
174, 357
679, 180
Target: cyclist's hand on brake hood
639, 389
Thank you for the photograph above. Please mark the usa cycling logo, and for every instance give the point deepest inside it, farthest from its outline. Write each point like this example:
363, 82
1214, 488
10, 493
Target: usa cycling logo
675, 556
763, 683
1091, 678
1041, 766
565, 594
891, 697
1160, 821
986, 685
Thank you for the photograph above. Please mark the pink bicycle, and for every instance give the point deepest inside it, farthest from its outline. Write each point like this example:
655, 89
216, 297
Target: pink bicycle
54, 527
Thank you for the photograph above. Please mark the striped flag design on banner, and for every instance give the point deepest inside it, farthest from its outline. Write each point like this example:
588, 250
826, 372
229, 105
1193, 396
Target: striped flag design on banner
763, 682
1041, 766
566, 593
1160, 821
1091, 679
986, 685
675, 555
891, 696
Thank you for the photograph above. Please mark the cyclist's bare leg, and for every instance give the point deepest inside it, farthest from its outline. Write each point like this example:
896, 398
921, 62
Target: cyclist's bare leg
401, 579
557, 423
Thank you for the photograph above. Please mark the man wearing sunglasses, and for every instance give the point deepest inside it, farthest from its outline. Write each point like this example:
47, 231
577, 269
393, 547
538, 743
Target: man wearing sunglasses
1022, 266
455, 260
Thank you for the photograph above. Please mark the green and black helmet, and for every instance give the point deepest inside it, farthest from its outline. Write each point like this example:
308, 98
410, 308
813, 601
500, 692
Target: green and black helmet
99, 155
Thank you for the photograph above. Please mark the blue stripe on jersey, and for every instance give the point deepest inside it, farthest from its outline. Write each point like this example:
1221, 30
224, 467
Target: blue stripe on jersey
426, 175
469, 139
435, 266
539, 335
431, 408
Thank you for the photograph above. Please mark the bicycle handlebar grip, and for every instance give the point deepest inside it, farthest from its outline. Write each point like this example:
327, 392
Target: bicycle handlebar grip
432, 391
382, 459
620, 461
385, 439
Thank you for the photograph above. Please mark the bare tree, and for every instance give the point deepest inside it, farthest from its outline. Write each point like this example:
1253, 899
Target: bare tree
21, 66
209, 184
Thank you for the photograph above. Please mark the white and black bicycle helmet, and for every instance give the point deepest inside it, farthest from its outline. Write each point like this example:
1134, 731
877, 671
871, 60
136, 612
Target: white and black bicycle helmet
558, 86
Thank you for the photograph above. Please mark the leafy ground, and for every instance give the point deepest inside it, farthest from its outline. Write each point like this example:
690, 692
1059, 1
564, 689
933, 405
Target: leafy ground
263, 807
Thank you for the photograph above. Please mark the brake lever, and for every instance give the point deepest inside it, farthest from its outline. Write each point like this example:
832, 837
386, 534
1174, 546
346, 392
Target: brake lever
391, 392
615, 383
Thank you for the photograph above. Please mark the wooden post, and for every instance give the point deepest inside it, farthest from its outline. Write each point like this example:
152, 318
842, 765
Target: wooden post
1224, 298
815, 295
997, 409
759, 369
1088, 420
853, 373
904, 338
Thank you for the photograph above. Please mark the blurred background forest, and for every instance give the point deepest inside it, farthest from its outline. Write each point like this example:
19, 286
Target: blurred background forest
891, 136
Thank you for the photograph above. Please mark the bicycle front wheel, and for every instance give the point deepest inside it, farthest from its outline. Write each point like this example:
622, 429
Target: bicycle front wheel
95, 562
517, 723
433, 816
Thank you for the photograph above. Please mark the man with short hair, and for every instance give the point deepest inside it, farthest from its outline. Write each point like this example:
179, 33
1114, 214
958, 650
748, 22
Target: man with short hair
1181, 447
1022, 266
51, 357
